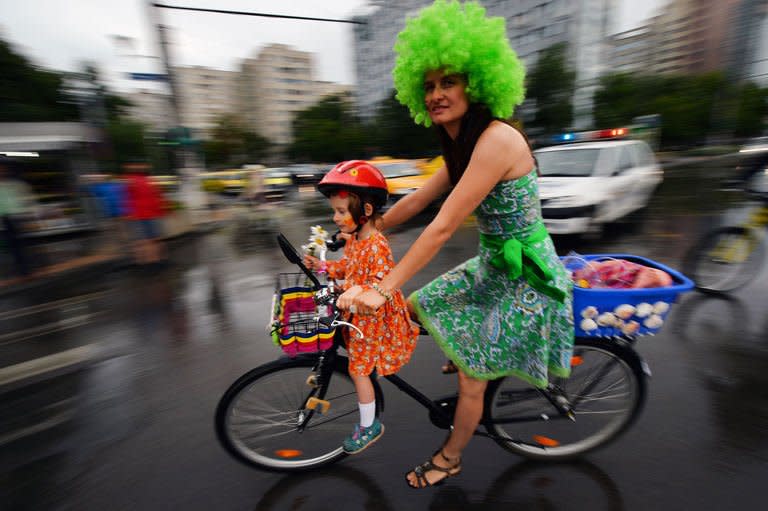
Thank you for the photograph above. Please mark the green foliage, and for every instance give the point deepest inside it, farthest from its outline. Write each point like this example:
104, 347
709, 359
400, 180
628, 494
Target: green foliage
327, 131
233, 144
751, 110
551, 85
395, 134
692, 107
28, 94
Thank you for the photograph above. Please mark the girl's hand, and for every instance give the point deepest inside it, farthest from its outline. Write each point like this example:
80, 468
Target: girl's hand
311, 262
368, 302
346, 300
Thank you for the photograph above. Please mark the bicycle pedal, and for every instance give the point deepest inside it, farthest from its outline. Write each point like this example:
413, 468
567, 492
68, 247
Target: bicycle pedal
319, 405
312, 381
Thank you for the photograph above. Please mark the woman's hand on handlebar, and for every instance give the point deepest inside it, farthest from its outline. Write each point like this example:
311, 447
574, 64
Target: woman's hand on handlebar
346, 300
369, 301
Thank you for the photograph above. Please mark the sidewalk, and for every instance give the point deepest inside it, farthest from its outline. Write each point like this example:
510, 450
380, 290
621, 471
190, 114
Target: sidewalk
106, 255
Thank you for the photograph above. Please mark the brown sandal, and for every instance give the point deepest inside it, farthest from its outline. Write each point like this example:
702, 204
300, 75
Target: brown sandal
449, 367
420, 471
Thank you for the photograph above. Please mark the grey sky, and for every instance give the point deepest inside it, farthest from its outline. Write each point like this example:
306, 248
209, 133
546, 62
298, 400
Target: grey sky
60, 34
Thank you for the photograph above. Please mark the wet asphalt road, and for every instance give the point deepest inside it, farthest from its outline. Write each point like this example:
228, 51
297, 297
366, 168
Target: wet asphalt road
133, 427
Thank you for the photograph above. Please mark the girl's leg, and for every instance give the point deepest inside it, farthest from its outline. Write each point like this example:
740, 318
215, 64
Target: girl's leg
370, 429
364, 389
469, 411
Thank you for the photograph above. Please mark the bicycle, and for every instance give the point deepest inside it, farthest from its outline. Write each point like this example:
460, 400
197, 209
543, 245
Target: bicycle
727, 258
293, 413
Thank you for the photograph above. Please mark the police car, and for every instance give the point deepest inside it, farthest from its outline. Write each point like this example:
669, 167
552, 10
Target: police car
600, 179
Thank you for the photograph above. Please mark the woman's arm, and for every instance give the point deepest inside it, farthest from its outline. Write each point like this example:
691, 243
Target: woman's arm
501, 153
414, 203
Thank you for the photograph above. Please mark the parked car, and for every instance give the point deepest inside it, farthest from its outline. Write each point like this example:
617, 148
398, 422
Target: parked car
585, 185
229, 182
305, 174
277, 184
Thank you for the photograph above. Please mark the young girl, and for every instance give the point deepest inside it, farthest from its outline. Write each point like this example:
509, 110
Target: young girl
356, 191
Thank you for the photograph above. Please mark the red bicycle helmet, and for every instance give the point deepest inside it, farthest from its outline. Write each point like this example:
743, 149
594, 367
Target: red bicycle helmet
356, 176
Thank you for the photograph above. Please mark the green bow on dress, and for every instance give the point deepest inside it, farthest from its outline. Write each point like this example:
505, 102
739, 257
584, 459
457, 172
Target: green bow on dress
518, 259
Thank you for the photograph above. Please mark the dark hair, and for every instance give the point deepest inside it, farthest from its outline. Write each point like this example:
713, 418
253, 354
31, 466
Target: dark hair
457, 153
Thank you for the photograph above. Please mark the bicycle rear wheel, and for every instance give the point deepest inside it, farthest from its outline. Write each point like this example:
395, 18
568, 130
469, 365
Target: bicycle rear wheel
725, 259
605, 392
263, 418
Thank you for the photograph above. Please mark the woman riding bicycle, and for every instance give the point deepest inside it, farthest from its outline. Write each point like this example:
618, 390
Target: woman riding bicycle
506, 311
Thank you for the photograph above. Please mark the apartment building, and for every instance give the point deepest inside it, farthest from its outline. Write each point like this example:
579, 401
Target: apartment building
532, 26
630, 51
276, 84
204, 95
151, 108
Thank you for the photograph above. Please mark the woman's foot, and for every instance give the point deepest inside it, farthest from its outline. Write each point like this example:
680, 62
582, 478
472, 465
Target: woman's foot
434, 471
449, 368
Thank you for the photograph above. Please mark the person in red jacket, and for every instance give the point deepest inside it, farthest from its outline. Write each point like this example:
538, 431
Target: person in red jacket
144, 208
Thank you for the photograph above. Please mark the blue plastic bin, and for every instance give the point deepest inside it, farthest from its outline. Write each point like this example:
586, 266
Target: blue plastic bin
612, 312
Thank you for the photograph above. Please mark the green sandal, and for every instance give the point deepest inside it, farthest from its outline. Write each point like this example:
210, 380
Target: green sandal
420, 471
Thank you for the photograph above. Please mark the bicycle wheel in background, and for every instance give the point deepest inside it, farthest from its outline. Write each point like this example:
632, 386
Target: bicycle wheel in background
259, 419
606, 391
725, 259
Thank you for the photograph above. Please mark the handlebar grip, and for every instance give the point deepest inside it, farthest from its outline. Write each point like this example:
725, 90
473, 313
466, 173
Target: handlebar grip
335, 244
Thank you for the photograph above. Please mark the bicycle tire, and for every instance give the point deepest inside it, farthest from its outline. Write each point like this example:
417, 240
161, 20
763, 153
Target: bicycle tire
714, 272
262, 440
522, 420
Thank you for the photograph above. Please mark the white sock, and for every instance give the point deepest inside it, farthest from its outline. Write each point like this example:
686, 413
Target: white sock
367, 413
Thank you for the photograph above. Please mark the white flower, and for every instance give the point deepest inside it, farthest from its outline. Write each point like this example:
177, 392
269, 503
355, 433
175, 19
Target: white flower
588, 324
318, 232
660, 307
589, 312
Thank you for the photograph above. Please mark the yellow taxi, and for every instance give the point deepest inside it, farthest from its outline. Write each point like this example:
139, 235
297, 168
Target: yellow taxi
406, 176
231, 182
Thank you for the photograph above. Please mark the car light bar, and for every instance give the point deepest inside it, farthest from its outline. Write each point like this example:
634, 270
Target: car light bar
583, 136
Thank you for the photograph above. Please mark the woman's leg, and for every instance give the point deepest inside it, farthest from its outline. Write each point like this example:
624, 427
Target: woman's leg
469, 411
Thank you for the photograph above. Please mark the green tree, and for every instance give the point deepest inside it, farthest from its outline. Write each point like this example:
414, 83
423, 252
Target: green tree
233, 144
28, 94
327, 131
393, 132
751, 110
550, 85
691, 106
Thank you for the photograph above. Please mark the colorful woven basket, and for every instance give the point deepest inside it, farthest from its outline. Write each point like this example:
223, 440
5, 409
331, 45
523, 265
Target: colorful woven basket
295, 325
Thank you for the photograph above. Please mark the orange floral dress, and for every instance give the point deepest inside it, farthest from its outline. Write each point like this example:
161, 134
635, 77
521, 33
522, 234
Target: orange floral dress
388, 336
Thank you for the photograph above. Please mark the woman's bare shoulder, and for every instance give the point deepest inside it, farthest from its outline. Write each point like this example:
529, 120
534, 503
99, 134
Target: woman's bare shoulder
510, 145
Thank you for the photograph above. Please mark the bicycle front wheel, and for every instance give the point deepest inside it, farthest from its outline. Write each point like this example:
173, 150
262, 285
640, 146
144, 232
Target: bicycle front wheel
267, 420
605, 392
725, 259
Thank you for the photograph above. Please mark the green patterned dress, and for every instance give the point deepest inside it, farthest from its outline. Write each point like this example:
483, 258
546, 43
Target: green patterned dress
506, 311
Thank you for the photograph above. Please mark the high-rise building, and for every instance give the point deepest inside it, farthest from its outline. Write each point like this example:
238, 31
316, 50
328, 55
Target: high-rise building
276, 84
204, 95
532, 26
151, 108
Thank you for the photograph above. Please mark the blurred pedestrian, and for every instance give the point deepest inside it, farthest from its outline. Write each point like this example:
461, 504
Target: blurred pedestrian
110, 192
16, 203
507, 311
144, 208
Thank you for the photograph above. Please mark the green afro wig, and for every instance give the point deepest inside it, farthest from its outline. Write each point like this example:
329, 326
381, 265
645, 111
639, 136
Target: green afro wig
459, 39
